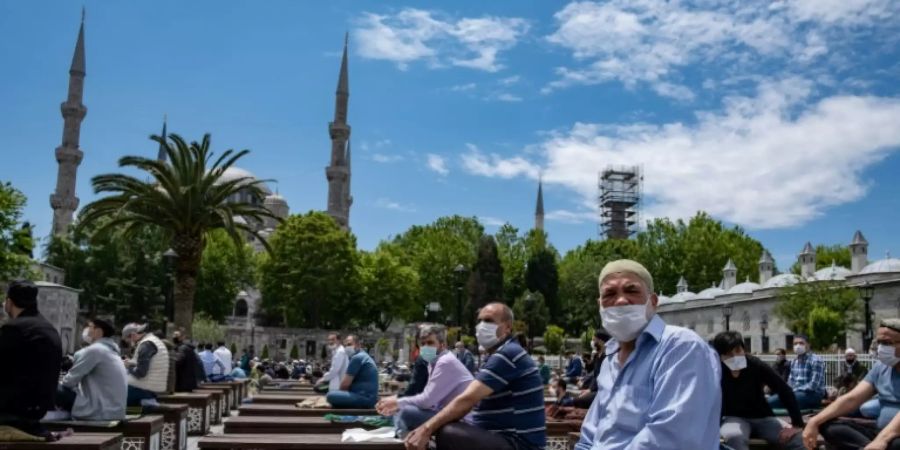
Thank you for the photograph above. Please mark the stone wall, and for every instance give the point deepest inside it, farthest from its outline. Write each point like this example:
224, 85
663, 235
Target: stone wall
59, 305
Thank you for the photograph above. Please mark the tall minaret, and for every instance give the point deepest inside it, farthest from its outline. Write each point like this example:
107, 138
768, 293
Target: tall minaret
161, 156
338, 172
539, 209
69, 155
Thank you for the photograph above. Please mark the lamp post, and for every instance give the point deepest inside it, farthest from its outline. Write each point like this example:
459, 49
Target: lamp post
529, 302
459, 272
431, 311
866, 292
170, 256
726, 311
763, 325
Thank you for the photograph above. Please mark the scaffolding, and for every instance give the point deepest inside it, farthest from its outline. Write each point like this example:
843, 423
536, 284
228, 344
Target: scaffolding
620, 201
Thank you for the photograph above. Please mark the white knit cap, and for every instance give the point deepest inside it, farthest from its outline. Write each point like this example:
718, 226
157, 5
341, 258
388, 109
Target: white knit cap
627, 266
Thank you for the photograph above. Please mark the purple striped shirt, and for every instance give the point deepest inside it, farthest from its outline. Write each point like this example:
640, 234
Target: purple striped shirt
447, 378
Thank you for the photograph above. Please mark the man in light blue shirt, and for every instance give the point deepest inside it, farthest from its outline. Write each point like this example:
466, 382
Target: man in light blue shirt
657, 386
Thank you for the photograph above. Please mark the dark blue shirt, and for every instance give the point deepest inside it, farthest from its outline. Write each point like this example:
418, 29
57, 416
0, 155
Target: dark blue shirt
365, 375
574, 368
516, 405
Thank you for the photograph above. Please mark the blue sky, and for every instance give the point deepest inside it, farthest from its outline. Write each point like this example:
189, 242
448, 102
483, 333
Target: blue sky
782, 117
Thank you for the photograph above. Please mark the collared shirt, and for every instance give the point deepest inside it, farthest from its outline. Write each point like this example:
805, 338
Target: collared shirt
807, 374
447, 378
886, 381
516, 404
224, 356
663, 397
335, 374
211, 364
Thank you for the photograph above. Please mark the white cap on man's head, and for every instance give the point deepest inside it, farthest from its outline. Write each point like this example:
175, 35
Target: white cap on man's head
849, 351
627, 266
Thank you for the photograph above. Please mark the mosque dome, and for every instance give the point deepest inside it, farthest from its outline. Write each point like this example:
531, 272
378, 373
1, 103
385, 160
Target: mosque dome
835, 272
663, 300
682, 297
236, 173
710, 293
782, 280
885, 265
744, 288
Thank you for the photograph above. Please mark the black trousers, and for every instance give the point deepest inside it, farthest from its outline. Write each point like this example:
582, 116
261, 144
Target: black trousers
851, 435
461, 435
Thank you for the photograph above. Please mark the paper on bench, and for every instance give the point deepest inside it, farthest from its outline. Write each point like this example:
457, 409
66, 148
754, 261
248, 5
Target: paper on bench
383, 434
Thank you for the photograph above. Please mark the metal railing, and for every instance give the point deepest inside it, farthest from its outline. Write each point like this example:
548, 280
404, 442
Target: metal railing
833, 362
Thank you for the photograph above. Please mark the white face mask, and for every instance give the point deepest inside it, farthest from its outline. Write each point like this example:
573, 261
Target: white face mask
86, 336
799, 349
887, 355
735, 363
625, 323
486, 334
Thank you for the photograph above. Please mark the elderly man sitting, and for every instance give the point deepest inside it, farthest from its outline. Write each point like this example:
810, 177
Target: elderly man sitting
884, 380
359, 387
447, 378
657, 387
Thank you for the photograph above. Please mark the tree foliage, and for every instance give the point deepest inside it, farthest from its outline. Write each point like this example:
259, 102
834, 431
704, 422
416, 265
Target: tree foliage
541, 275
389, 289
826, 255
531, 309
806, 308
485, 283
311, 277
554, 338
206, 329
16, 242
513, 256
185, 197
224, 269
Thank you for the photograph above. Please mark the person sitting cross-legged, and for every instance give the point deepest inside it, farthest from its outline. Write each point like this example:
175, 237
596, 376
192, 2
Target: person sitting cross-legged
506, 399
745, 410
883, 379
359, 387
447, 378
96, 387
807, 377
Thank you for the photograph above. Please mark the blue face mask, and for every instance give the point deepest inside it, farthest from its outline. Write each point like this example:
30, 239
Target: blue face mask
428, 353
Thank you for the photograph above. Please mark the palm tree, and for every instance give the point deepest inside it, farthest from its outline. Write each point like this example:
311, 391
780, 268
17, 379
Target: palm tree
185, 198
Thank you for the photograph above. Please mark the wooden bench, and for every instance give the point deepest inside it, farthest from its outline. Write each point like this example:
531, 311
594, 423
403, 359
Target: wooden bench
175, 418
287, 425
200, 405
144, 433
280, 399
265, 409
237, 391
223, 408
80, 441
290, 442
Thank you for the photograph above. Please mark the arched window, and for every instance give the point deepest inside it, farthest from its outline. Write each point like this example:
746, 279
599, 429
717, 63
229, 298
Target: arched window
240, 308
746, 319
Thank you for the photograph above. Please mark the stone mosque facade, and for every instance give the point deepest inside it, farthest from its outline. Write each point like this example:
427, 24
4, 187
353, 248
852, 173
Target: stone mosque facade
752, 304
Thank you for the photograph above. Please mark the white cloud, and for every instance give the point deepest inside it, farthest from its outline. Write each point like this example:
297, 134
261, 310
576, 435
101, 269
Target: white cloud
648, 42
386, 203
384, 158
506, 97
463, 87
491, 221
766, 161
415, 34
571, 217
437, 163
509, 81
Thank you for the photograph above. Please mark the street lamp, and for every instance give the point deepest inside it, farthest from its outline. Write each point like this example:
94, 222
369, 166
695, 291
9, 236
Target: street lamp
170, 256
529, 302
764, 325
726, 311
434, 308
866, 292
459, 271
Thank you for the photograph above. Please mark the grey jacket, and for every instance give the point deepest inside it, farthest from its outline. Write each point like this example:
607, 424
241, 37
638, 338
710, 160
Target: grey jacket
98, 377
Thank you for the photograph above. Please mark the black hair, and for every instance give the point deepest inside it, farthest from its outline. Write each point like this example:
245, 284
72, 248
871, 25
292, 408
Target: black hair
802, 336
221, 343
106, 327
208, 346
602, 335
727, 341
23, 294
780, 350
561, 382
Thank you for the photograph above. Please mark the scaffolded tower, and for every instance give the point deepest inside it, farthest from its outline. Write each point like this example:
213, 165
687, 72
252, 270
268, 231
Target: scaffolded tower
620, 201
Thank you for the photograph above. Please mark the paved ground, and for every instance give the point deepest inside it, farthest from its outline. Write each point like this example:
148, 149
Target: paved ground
215, 429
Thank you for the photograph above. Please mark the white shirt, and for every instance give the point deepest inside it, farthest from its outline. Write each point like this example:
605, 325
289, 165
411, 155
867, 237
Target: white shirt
339, 363
224, 356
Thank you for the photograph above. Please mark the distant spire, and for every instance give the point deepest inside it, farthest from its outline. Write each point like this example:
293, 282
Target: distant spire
539, 208
161, 156
78, 65
343, 86
858, 239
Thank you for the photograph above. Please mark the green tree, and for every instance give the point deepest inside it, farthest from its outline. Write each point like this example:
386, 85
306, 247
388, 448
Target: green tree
826, 255
310, 279
803, 309
389, 289
16, 243
554, 338
532, 311
205, 329
185, 198
542, 276
224, 268
265, 352
485, 283
233, 349
295, 351
513, 255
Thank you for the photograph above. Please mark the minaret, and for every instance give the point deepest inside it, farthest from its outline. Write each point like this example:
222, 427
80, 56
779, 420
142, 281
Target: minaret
766, 267
729, 275
338, 172
69, 155
161, 156
539, 209
807, 261
682, 285
859, 252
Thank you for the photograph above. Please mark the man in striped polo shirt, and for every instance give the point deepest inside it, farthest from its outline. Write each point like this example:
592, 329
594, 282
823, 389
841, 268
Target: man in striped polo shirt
506, 400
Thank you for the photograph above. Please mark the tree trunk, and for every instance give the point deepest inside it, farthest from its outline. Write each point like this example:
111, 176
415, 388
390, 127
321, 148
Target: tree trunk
187, 265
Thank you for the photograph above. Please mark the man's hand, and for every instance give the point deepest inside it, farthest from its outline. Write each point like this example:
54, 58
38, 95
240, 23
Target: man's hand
811, 435
876, 445
387, 406
584, 393
418, 439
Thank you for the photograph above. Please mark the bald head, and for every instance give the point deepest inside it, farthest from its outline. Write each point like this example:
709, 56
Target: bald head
499, 314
